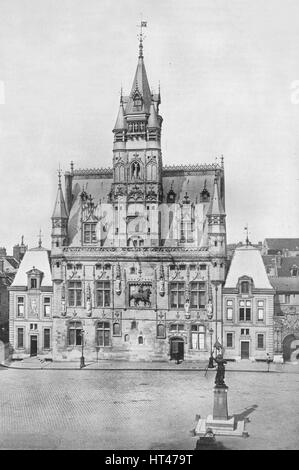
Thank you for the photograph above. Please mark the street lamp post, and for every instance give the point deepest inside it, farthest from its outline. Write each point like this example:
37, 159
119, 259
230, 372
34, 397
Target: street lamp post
217, 284
82, 359
211, 361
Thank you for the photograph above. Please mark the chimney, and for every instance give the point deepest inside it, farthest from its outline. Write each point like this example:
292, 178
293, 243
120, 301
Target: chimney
278, 259
2, 265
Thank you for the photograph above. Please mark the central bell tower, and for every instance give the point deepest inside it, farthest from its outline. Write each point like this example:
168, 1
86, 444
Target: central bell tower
137, 163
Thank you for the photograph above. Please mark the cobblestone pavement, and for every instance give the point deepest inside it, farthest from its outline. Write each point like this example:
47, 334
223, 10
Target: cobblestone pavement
140, 409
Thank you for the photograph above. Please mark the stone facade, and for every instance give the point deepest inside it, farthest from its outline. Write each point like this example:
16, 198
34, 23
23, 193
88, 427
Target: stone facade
138, 249
248, 307
30, 307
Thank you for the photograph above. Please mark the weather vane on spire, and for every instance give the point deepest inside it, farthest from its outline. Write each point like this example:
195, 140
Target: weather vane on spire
143, 24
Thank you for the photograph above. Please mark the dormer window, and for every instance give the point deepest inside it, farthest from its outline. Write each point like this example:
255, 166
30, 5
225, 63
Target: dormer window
171, 196
34, 278
294, 271
137, 99
89, 232
244, 287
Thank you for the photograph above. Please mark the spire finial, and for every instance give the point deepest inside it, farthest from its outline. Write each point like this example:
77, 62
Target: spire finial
222, 161
72, 167
247, 238
143, 24
40, 238
22, 240
121, 94
59, 177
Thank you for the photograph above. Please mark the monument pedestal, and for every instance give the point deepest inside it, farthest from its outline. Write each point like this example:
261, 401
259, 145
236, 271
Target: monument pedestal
220, 423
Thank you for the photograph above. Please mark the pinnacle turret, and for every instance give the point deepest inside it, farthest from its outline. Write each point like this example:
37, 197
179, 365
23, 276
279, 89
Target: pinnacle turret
60, 211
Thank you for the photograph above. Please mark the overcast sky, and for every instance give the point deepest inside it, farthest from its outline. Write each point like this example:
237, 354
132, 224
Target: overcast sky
228, 71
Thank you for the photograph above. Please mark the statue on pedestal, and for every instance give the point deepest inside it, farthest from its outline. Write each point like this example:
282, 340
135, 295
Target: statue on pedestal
219, 379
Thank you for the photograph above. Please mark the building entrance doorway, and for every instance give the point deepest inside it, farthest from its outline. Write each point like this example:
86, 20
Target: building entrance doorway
244, 349
290, 348
33, 345
177, 349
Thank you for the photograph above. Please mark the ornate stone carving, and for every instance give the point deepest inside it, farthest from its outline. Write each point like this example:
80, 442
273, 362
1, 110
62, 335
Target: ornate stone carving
88, 301
140, 292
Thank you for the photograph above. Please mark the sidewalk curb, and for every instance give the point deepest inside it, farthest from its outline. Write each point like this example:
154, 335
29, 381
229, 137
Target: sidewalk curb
168, 369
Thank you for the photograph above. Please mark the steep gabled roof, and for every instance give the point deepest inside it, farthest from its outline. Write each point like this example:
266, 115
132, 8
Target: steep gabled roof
60, 207
120, 120
216, 207
141, 86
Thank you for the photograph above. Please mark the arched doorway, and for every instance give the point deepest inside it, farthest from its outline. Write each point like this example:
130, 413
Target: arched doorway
177, 349
290, 345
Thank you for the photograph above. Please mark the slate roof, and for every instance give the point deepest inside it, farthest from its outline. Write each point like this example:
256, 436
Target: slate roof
247, 261
286, 263
291, 244
38, 258
285, 284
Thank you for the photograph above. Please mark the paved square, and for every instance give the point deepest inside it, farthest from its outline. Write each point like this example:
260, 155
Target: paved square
129, 409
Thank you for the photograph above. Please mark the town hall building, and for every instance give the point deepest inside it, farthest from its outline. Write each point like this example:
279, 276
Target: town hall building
138, 250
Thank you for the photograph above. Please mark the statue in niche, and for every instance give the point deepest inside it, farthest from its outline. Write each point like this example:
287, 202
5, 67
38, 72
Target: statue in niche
63, 307
118, 286
33, 307
142, 295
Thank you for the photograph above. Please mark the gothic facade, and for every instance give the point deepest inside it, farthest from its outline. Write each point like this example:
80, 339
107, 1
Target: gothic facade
138, 250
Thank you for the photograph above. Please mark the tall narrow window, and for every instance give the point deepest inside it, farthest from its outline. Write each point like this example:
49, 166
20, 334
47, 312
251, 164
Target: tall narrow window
89, 232
245, 310
75, 293
47, 341
260, 310
260, 341
47, 306
229, 340
177, 294
103, 333
33, 283
103, 297
20, 332
20, 306
198, 294
75, 333
198, 337
229, 309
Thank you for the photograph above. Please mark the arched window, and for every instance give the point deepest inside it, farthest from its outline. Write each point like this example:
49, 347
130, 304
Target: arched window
103, 333
161, 333
140, 339
116, 329
121, 173
75, 333
126, 338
